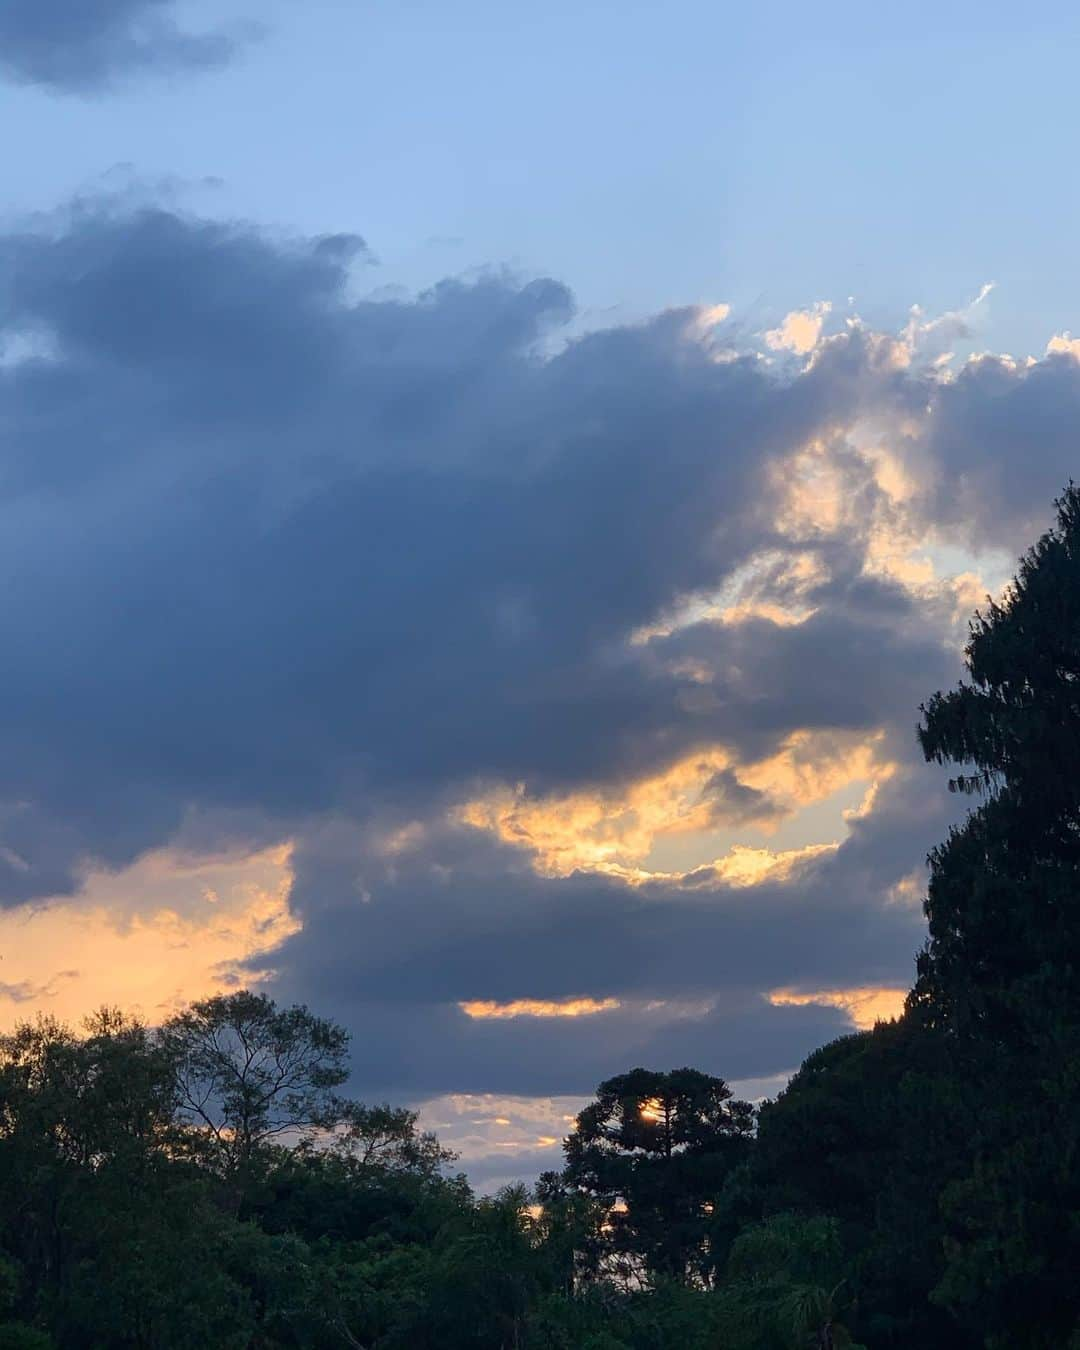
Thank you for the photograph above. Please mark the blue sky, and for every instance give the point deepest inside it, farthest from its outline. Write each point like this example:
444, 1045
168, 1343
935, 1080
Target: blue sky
768, 156
479, 514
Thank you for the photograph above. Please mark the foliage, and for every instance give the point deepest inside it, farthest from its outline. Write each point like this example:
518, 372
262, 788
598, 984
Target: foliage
1001, 972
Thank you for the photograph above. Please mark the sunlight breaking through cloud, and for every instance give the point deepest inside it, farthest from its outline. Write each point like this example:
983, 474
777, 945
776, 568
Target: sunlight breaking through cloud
865, 1006
535, 1007
800, 330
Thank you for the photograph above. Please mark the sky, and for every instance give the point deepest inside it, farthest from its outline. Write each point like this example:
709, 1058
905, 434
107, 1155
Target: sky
486, 489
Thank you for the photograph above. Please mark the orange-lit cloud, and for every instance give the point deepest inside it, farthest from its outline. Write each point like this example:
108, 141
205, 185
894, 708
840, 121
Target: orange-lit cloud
615, 831
800, 330
795, 573
598, 830
813, 492
739, 598
751, 866
865, 1005
910, 890
817, 499
813, 765
535, 1007
1064, 344
148, 939
708, 316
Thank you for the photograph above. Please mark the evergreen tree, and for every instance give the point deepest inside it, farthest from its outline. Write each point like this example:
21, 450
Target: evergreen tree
1000, 976
658, 1147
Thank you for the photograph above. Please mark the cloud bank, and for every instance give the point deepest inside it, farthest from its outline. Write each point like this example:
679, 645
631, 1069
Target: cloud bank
571, 672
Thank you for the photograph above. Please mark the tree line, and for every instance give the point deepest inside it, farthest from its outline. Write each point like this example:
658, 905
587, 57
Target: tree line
206, 1184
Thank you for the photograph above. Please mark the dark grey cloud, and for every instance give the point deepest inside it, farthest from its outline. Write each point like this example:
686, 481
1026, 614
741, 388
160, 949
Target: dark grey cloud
394, 944
83, 46
1000, 442
849, 667
272, 546
736, 803
409, 1052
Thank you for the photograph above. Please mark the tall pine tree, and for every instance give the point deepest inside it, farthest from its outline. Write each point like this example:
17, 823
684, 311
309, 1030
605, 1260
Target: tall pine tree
1000, 976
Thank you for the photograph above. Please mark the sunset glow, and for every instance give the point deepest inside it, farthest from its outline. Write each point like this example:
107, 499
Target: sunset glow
532, 1007
865, 1006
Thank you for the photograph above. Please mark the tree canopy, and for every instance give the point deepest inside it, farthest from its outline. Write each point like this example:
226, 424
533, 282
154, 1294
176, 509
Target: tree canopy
247, 1072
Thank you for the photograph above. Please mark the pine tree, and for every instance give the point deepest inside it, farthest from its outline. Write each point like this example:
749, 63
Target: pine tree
1000, 976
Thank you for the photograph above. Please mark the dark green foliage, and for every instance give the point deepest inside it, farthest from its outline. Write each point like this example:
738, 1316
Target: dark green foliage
1002, 909
785, 1286
18, 1336
869, 1131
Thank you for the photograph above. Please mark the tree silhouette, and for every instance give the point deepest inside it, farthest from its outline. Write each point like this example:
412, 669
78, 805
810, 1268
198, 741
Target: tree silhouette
248, 1073
658, 1148
1000, 976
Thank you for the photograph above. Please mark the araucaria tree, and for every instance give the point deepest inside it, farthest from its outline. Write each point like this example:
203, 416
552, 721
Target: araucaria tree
658, 1147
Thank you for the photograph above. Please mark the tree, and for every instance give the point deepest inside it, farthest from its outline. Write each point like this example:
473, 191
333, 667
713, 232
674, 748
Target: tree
386, 1138
248, 1073
83, 1121
571, 1227
658, 1147
784, 1287
115, 1232
869, 1132
16, 1335
1002, 903
1000, 976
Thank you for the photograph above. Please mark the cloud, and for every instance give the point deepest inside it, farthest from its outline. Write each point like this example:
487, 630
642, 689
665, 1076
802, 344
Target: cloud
561, 665
262, 518
27, 991
997, 444
169, 929
932, 338
84, 46
617, 826
396, 945
532, 1007
866, 1007
800, 331
1064, 343
502, 1139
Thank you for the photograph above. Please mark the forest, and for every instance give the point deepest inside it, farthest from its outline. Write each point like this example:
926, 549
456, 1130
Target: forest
204, 1183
